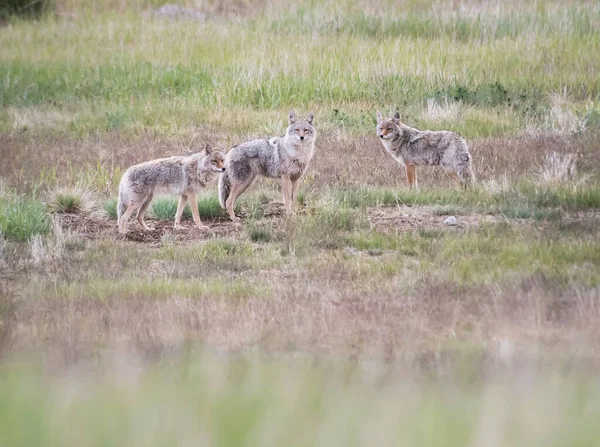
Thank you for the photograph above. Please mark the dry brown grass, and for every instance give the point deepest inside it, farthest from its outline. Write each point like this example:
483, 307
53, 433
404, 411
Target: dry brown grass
322, 315
50, 162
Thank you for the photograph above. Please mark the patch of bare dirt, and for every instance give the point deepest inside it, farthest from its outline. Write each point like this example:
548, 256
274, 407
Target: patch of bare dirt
94, 226
405, 218
88, 226
163, 230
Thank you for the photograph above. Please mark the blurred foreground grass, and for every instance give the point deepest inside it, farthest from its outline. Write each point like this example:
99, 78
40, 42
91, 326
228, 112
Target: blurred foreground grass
207, 400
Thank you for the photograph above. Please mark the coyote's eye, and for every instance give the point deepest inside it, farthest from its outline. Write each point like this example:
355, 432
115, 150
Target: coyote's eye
214, 162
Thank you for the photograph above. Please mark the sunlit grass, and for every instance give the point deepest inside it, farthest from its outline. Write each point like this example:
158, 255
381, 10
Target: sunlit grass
147, 72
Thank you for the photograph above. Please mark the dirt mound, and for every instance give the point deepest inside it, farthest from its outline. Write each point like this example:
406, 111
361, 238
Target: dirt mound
94, 227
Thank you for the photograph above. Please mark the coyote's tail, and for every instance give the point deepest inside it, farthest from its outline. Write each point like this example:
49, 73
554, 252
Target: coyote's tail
224, 188
121, 206
468, 176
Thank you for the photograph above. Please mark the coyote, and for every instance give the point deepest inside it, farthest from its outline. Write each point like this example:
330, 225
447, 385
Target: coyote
415, 147
181, 175
285, 157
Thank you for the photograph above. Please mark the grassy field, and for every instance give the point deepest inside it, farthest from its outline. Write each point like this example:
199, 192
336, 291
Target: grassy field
360, 320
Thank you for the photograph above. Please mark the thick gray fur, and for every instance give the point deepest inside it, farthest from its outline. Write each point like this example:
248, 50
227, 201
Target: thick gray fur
414, 147
286, 158
180, 175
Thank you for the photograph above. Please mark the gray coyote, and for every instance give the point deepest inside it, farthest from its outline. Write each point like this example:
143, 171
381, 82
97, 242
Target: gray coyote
414, 147
181, 175
286, 158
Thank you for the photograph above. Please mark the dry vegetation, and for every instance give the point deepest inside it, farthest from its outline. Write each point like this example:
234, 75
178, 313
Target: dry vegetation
361, 320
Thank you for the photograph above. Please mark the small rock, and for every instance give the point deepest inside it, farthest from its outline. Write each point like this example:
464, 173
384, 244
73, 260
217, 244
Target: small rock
450, 220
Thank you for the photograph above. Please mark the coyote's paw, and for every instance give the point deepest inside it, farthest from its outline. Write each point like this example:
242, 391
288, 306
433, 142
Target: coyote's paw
178, 227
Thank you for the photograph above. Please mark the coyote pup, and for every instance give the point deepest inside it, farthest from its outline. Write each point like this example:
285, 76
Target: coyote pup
181, 175
415, 147
285, 157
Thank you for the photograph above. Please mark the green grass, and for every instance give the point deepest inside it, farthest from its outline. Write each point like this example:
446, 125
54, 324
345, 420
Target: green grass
408, 244
209, 207
214, 251
492, 258
64, 203
164, 208
142, 288
70, 200
110, 206
225, 247
341, 62
364, 196
324, 229
492, 254
23, 218
276, 402
523, 199
259, 233
575, 198
336, 220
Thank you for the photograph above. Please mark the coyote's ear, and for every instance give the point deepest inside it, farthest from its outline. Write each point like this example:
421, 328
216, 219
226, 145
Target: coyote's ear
379, 117
208, 149
292, 117
396, 117
309, 118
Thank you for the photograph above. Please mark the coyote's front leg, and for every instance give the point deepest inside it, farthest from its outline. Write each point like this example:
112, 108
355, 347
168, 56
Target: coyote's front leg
286, 187
180, 207
295, 185
411, 175
194, 206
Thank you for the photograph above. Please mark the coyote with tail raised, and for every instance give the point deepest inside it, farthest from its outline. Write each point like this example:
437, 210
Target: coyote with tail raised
413, 147
181, 175
286, 158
